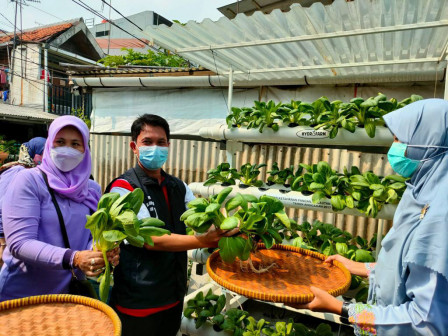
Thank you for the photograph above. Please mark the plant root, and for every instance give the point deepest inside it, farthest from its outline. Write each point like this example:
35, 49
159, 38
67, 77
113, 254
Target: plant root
261, 269
243, 267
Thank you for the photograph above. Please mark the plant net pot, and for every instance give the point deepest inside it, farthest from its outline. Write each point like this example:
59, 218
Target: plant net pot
288, 282
58, 314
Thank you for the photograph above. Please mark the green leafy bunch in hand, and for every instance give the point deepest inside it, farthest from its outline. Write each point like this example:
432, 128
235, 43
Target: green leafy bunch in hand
116, 220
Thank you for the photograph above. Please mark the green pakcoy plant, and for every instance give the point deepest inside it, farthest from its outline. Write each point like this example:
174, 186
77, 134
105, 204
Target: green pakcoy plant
296, 113
256, 219
370, 192
209, 307
328, 239
339, 116
116, 220
282, 176
223, 174
248, 174
206, 307
265, 115
368, 112
321, 180
238, 117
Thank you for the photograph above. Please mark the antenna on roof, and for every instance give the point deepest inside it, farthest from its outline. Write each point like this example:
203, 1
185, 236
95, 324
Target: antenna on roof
90, 22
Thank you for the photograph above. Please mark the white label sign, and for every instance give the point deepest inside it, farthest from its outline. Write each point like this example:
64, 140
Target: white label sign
313, 134
301, 202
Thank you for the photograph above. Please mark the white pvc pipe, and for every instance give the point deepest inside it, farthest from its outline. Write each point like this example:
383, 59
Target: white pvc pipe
45, 80
298, 135
230, 95
171, 81
198, 255
291, 199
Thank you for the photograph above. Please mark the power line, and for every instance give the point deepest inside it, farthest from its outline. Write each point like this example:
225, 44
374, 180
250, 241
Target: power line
48, 13
12, 24
27, 60
90, 9
122, 15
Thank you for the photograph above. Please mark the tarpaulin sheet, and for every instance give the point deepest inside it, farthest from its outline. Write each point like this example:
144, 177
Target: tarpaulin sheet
186, 110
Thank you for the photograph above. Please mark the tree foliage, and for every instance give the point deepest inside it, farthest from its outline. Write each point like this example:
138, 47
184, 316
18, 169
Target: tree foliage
162, 57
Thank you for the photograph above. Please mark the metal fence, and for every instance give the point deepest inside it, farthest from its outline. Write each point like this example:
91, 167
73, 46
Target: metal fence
62, 101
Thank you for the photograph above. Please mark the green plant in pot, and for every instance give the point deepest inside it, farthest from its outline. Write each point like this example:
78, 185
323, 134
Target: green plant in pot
238, 117
339, 115
283, 177
265, 115
320, 180
222, 174
298, 113
370, 192
258, 220
248, 175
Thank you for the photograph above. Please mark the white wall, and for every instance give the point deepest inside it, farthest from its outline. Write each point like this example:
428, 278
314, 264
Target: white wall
27, 87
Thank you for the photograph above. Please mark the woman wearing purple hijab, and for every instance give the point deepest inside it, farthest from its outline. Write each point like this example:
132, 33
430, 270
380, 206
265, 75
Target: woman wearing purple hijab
36, 259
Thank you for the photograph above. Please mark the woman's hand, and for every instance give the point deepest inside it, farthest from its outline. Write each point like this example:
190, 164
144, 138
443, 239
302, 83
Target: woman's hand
90, 262
213, 235
354, 267
322, 302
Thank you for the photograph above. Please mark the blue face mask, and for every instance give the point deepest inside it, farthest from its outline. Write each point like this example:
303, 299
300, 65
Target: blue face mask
152, 157
399, 162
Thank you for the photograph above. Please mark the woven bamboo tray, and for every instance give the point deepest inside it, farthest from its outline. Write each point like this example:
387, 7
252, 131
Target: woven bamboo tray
58, 315
290, 282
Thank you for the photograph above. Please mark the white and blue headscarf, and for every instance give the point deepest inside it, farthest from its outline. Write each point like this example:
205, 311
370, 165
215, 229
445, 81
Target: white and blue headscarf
414, 240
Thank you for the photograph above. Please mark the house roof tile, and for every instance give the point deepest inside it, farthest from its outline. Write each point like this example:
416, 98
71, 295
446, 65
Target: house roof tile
37, 34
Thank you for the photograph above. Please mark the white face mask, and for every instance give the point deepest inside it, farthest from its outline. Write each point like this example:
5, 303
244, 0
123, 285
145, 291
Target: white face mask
66, 158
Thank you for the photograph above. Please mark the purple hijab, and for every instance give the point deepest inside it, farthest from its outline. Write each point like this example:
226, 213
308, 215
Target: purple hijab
73, 184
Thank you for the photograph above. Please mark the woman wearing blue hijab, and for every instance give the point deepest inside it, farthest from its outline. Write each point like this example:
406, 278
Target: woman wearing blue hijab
408, 293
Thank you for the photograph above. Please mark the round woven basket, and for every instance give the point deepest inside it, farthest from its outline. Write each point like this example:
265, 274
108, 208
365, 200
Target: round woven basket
58, 315
288, 282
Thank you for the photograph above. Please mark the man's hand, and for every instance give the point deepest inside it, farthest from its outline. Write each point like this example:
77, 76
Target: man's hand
213, 235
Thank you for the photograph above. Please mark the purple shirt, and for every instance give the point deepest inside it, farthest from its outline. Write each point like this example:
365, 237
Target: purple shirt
5, 180
35, 252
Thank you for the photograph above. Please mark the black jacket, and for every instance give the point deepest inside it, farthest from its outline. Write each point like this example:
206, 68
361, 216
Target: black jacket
143, 278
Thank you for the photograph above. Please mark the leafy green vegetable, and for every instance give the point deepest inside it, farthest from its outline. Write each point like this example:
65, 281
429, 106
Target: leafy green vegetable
257, 219
116, 220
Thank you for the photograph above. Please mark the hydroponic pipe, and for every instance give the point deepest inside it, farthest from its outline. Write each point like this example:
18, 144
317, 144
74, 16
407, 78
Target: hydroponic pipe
298, 135
290, 199
181, 81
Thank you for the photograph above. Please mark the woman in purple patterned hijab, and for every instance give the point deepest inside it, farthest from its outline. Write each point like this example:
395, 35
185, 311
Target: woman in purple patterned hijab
36, 260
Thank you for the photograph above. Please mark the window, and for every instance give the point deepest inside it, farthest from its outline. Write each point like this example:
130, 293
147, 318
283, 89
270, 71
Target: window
102, 33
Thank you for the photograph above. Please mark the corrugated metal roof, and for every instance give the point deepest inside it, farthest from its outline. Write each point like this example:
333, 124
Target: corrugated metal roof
248, 7
357, 41
14, 112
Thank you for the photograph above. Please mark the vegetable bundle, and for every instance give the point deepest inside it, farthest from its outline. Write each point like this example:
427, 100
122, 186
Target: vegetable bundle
257, 219
116, 220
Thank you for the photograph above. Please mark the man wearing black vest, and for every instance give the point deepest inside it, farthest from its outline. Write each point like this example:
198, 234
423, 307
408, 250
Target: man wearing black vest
150, 282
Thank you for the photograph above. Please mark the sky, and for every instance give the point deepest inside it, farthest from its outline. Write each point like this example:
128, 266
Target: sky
42, 12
